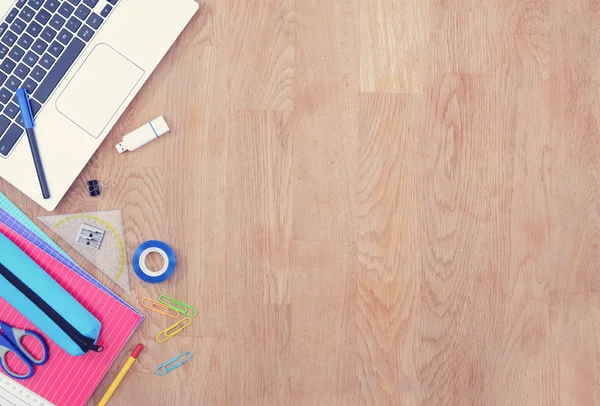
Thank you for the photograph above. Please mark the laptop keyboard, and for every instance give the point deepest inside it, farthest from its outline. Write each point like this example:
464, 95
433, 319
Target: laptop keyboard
39, 42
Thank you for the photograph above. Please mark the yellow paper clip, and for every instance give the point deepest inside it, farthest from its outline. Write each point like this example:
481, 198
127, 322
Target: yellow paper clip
160, 308
184, 309
173, 330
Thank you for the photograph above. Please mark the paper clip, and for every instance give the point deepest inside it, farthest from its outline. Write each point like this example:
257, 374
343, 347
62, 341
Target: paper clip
173, 330
174, 363
184, 309
160, 308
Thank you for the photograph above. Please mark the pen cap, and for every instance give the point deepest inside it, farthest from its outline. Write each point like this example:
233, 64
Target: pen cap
159, 125
25, 107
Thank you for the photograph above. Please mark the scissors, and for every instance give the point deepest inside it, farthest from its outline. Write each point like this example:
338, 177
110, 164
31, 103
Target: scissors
10, 342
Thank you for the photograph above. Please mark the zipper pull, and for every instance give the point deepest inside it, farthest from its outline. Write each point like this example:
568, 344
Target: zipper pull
97, 348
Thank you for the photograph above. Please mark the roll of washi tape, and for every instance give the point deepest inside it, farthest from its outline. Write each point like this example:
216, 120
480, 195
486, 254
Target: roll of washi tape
142, 270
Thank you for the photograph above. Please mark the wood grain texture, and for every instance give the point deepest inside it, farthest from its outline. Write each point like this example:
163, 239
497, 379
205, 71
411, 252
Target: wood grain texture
459, 41
520, 17
324, 123
393, 45
322, 338
262, 55
391, 202
260, 217
389, 263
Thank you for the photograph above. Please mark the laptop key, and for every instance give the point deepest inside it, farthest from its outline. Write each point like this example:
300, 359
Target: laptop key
82, 12
5, 143
3, 50
48, 34
29, 85
65, 36
106, 10
4, 123
25, 41
11, 16
38, 74
57, 22
11, 110
21, 3
27, 14
95, 21
34, 29
51, 5
16, 53
5, 95
35, 107
10, 138
42, 17
35, 4
66, 10
73, 24
30, 59
9, 38
18, 25
74, 2
39, 46
22, 71
90, 3
47, 61
61, 67
2, 78
13, 83
55, 49
7, 65
85, 33
3, 27
113, 2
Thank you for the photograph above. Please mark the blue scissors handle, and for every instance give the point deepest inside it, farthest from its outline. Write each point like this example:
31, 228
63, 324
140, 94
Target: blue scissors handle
11, 342
19, 334
7, 347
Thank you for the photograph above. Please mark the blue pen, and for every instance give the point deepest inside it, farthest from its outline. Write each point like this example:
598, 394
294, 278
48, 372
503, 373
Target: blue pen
27, 116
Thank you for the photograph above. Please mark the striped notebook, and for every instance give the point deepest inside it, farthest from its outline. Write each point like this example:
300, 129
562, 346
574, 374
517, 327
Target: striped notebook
67, 380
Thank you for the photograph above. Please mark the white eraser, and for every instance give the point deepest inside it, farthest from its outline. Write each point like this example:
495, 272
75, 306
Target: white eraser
143, 135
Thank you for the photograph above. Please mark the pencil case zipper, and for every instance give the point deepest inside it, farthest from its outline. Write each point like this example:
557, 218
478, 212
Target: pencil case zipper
85, 343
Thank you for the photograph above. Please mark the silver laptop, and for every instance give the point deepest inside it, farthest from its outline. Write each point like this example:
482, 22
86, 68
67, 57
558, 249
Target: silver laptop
82, 62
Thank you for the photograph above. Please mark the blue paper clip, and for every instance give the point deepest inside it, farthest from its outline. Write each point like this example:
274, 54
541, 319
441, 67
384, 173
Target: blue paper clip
174, 363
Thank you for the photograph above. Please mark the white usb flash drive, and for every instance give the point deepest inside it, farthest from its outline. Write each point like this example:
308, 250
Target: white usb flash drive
143, 135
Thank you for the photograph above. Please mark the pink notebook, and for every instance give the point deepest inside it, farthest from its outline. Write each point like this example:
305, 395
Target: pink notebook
66, 380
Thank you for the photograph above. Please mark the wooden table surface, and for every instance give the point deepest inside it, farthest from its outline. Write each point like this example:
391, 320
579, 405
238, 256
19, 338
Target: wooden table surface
388, 202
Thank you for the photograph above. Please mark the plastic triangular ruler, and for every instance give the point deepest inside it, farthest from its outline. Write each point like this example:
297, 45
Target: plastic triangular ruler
111, 256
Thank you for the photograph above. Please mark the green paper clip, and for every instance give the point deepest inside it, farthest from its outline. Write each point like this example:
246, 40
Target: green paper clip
182, 308
174, 363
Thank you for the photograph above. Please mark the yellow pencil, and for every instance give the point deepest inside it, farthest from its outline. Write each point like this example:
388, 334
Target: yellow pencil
113, 386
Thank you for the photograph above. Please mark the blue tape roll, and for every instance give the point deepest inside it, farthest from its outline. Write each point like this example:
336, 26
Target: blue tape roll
139, 261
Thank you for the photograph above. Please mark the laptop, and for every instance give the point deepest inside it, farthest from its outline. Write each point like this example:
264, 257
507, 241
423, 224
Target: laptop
82, 62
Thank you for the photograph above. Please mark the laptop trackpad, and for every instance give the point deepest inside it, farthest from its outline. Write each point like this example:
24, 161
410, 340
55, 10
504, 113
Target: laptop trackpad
98, 89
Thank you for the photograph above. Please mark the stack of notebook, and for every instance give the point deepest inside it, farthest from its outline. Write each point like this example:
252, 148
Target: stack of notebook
67, 380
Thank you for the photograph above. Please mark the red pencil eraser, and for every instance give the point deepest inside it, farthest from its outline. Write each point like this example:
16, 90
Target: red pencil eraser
137, 351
